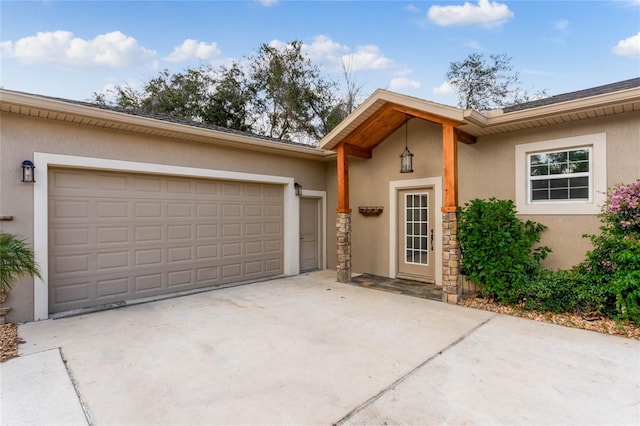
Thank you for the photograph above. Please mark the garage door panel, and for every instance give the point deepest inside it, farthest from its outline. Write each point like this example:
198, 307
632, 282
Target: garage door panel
111, 290
112, 235
112, 210
150, 283
208, 210
74, 237
180, 278
73, 293
112, 260
119, 236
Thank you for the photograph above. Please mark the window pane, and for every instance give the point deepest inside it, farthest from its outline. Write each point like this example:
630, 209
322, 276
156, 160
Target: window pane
579, 194
539, 170
579, 155
409, 242
579, 182
540, 195
423, 229
580, 167
558, 157
540, 184
409, 215
559, 183
559, 194
538, 159
423, 215
409, 200
423, 200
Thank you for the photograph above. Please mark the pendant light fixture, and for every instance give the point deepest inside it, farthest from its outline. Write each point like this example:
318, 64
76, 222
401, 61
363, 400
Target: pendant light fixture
406, 158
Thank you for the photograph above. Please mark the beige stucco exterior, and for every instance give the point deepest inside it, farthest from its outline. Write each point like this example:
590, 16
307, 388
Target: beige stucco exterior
486, 169
23, 136
53, 132
496, 178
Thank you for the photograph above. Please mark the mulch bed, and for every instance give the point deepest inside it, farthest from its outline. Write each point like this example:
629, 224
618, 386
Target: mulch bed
9, 341
593, 323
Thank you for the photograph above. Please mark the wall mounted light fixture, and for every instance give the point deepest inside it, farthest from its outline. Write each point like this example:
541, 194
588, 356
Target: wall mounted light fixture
406, 158
28, 172
298, 189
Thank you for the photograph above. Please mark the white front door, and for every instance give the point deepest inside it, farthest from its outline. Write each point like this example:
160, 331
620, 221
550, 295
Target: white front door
416, 229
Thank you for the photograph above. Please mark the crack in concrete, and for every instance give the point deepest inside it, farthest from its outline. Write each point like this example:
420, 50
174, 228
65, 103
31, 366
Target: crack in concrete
404, 377
74, 383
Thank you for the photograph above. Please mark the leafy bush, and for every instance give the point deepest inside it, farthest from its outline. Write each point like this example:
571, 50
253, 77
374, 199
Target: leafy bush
614, 262
497, 248
549, 290
497, 252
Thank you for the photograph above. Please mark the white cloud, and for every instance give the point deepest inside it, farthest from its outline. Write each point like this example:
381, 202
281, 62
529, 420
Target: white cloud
267, 3
628, 47
368, 57
561, 24
412, 8
113, 49
193, 49
485, 13
400, 83
325, 51
445, 88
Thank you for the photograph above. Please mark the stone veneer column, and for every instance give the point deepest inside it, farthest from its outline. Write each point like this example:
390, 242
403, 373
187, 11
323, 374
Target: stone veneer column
343, 229
450, 258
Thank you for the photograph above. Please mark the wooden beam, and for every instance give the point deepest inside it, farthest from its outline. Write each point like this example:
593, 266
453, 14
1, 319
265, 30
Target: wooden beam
358, 151
450, 159
465, 137
343, 179
426, 116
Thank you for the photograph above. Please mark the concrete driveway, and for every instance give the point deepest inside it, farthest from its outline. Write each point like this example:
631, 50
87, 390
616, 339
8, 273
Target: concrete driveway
308, 350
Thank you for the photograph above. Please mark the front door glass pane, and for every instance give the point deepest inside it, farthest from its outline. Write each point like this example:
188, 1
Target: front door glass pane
417, 223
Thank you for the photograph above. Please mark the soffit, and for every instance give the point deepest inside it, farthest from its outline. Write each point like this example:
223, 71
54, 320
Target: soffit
59, 110
384, 112
495, 122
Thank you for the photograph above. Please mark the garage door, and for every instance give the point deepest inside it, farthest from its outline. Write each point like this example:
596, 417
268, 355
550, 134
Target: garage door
121, 236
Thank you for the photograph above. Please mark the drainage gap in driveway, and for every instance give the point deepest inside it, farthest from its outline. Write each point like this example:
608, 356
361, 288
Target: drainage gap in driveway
409, 374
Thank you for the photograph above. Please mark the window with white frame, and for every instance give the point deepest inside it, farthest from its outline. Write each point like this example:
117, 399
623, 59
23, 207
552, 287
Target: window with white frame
561, 176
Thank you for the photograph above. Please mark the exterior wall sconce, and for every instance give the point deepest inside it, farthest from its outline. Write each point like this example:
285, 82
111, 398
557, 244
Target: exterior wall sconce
406, 158
298, 189
28, 172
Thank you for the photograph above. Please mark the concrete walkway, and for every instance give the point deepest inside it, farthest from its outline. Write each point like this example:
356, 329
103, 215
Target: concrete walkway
308, 350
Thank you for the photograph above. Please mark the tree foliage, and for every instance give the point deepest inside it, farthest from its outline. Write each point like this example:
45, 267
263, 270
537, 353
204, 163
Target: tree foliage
278, 92
487, 83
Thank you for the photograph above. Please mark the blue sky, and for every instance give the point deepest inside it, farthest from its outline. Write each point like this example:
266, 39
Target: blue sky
71, 49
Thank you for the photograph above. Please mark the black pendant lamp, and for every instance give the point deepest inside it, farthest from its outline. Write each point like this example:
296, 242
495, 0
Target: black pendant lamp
406, 158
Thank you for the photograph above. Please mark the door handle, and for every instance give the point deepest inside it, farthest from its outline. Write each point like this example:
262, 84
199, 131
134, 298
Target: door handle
431, 239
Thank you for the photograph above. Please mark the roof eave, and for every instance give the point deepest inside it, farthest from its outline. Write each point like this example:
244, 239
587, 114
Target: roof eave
374, 102
499, 117
28, 104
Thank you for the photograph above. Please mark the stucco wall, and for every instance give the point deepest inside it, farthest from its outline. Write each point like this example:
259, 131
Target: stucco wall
21, 136
369, 186
486, 169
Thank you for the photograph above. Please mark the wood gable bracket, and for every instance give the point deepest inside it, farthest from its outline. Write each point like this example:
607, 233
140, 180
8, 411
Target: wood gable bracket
358, 151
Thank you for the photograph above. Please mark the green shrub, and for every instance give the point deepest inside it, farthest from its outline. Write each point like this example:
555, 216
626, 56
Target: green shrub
614, 262
549, 290
497, 248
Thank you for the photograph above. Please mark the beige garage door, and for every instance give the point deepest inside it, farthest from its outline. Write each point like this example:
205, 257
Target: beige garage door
121, 236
